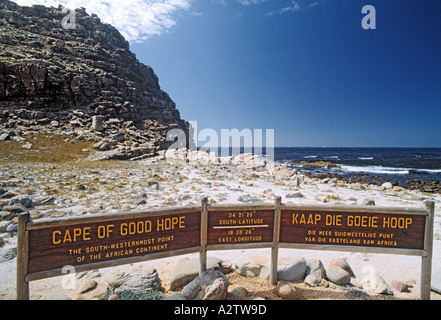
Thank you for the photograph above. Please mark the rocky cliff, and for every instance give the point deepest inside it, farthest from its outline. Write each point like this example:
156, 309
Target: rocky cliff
59, 76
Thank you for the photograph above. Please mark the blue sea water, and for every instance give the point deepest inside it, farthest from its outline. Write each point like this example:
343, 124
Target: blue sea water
389, 164
398, 164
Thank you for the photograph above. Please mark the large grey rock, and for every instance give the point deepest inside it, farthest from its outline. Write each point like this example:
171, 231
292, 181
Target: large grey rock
315, 272
135, 282
292, 271
376, 284
186, 270
286, 291
250, 266
210, 285
338, 275
343, 263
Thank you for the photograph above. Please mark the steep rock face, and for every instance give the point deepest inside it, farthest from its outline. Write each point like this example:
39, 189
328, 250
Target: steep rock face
51, 73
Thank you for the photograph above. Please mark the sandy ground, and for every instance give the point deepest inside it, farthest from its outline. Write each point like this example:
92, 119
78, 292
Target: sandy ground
226, 187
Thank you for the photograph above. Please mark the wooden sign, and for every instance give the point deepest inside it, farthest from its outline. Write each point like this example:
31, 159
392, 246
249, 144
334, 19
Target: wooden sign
366, 229
240, 226
87, 243
44, 247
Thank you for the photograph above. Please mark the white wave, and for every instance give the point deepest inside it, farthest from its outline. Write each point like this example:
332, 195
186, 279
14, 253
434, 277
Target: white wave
375, 169
310, 157
366, 158
429, 170
332, 157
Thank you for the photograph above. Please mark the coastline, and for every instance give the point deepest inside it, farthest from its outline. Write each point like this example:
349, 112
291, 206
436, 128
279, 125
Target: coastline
83, 188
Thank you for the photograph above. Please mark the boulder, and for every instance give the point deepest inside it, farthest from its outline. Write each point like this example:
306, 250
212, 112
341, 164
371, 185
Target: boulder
210, 285
249, 161
293, 270
399, 286
387, 185
186, 270
315, 272
249, 266
368, 202
134, 282
278, 170
376, 284
237, 291
338, 275
343, 263
286, 291
382, 287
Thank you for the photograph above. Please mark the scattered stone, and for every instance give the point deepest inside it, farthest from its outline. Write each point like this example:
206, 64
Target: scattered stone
368, 202
292, 271
87, 286
237, 291
376, 284
210, 285
338, 275
324, 283
295, 195
387, 185
399, 286
382, 287
16, 209
315, 272
23, 200
13, 227
343, 263
286, 291
249, 266
10, 254
186, 270
135, 282
278, 170
249, 199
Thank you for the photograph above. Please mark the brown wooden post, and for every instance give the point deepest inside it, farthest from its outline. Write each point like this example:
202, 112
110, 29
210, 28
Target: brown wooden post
22, 257
426, 261
204, 228
276, 239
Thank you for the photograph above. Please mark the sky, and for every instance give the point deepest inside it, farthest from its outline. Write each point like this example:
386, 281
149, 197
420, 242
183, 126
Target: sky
305, 68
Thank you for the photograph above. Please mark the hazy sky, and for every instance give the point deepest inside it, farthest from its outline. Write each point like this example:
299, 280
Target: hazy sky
305, 68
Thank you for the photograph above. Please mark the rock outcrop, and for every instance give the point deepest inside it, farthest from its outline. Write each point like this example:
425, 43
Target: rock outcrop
60, 78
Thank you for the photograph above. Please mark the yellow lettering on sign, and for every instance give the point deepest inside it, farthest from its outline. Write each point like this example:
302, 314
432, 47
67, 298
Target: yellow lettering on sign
54, 234
362, 221
333, 220
394, 223
71, 236
170, 223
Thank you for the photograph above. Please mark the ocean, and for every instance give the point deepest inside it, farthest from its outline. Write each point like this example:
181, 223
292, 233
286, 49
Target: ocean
387, 164
405, 166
